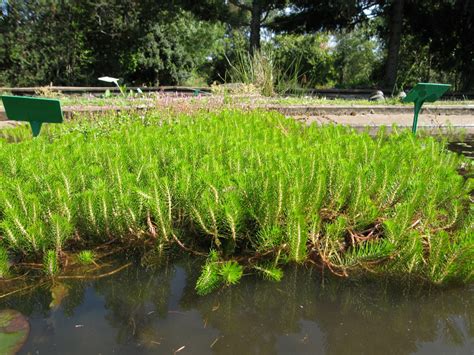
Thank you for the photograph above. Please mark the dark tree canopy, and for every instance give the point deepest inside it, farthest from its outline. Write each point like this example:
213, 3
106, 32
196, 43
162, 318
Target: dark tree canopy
317, 15
74, 42
447, 26
173, 41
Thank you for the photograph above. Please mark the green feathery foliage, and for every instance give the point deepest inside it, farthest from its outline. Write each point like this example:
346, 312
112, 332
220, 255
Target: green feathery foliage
4, 263
270, 272
51, 263
86, 257
210, 277
249, 186
231, 272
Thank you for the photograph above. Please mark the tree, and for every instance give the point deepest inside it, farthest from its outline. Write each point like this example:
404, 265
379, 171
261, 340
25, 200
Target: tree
447, 28
238, 14
316, 15
357, 58
75, 42
395, 35
444, 49
42, 42
306, 58
259, 11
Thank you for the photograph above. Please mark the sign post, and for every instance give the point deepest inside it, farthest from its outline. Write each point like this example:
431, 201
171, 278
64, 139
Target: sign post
421, 93
34, 110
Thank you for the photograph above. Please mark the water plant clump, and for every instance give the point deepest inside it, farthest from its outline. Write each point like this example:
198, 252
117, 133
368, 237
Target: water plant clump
252, 190
14, 330
4, 263
51, 263
86, 257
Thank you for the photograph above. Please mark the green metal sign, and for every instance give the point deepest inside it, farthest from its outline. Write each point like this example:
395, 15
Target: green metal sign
424, 92
34, 110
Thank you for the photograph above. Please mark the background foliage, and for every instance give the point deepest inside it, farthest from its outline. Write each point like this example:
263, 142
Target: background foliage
343, 44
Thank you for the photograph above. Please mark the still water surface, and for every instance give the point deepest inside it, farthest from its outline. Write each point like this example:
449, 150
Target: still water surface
156, 311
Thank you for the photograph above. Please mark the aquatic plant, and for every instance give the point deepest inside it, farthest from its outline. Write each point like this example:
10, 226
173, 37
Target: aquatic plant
270, 272
210, 278
252, 190
231, 272
4, 263
215, 273
86, 257
14, 330
51, 263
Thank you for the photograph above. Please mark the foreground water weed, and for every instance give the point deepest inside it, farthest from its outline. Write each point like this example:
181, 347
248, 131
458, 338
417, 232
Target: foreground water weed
252, 190
86, 257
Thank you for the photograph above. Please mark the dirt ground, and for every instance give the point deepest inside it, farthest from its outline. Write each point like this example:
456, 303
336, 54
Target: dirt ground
429, 120
8, 124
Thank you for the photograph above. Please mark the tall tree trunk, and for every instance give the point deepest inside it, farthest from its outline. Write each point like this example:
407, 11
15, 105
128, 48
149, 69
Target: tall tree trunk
255, 25
466, 57
395, 35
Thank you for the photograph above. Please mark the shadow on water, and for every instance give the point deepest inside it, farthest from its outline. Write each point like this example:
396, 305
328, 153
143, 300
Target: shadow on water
466, 148
143, 311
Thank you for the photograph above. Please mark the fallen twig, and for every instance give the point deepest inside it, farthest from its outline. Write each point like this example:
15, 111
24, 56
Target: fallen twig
185, 247
15, 278
22, 289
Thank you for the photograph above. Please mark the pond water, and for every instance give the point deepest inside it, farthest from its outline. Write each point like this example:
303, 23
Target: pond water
466, 148
145, 311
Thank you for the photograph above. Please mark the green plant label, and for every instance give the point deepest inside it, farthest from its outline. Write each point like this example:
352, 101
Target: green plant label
426, 92
34, 110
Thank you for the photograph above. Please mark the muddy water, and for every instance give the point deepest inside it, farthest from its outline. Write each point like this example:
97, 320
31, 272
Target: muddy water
144, 311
